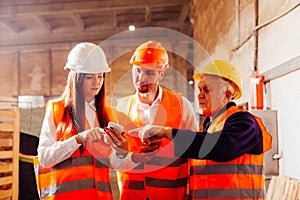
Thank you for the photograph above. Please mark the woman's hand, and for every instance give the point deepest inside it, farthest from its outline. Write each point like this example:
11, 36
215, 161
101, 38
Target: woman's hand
117, 140
93, 134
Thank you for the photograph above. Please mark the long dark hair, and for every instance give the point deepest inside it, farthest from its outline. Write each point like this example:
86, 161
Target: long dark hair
100, 103
75, 104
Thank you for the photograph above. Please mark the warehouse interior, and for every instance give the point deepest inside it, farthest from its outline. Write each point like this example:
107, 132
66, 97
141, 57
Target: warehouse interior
260, 37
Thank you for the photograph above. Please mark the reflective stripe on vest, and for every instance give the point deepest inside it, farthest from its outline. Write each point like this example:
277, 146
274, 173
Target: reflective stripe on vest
241, 178
163, 177
80, 176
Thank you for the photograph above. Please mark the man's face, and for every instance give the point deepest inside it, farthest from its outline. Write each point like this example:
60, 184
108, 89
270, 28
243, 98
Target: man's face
145, 80
211, 94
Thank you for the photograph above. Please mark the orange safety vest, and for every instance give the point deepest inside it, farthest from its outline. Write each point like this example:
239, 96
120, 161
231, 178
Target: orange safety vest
241, 178
164, 176
82, 176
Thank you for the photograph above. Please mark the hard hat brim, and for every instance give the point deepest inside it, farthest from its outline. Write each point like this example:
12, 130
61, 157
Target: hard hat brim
238, 91
150, 66
80, 69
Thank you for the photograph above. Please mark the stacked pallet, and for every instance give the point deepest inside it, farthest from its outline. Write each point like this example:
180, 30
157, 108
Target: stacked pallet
283, 188
9, 153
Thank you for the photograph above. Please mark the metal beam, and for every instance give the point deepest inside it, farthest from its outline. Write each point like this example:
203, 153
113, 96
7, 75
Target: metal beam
282, 69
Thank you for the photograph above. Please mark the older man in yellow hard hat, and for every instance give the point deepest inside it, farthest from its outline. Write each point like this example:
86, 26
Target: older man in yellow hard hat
227, 154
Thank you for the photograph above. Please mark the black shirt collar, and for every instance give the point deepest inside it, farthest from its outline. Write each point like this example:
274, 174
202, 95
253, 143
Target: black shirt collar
226, 107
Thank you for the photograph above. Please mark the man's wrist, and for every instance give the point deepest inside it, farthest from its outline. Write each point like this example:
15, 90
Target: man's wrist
78, 139
168, 133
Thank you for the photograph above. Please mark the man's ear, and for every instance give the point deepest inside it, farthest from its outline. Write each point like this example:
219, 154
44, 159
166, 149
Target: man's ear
162, 74
228, 95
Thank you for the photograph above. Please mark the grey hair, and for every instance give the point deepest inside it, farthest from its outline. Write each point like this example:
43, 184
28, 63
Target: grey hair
227, 85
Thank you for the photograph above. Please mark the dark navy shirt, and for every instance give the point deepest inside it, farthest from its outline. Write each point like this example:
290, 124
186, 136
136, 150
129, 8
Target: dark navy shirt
241, 134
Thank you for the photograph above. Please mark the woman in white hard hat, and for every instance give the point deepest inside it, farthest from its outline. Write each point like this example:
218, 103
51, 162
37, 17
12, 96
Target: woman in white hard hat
71, 126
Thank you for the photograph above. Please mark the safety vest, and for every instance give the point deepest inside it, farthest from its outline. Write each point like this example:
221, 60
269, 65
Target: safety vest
82, 176
241, 178
164, 176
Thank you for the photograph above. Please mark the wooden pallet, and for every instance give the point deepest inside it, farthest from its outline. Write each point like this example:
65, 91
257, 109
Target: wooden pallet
9, 154
283, 188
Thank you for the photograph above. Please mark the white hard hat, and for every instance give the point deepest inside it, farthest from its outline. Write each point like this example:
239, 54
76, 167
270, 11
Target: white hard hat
87, 58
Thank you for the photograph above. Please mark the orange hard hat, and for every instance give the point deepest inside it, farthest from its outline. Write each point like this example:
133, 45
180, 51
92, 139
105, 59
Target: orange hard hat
151, 55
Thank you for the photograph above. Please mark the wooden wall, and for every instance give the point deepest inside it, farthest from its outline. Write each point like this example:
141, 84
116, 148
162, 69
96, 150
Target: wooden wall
34, 72
40, 72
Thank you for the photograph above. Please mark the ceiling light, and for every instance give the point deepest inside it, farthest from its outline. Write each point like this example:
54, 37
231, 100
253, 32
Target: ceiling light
131, 27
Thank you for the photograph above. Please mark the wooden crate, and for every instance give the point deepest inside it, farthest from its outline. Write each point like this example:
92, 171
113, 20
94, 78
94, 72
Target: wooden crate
9, 153
283, 188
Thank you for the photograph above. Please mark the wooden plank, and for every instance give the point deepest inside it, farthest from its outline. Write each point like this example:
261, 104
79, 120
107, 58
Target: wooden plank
293, 191
271, 188
283, 187
6, 119
6, 180
5, 167
20, 10
6, 154
6, 127
5, 193
6, 142
9, 27
16, 151
7, 113
14, 142
9, 79
298, 191
6, 135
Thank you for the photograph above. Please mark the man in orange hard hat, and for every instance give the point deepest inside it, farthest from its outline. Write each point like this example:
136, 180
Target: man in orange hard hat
163, 176
227, 155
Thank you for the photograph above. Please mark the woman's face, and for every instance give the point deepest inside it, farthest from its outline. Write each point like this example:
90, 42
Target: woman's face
91, 86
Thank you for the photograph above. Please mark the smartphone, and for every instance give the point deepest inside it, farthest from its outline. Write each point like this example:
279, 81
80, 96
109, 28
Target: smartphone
117, 126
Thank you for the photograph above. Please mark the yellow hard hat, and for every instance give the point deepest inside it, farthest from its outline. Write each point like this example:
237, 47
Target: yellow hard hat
151, 55
225, 70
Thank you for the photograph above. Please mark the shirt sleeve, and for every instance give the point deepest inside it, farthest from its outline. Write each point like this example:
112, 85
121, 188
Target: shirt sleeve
241, 134
189, 119
50, 151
